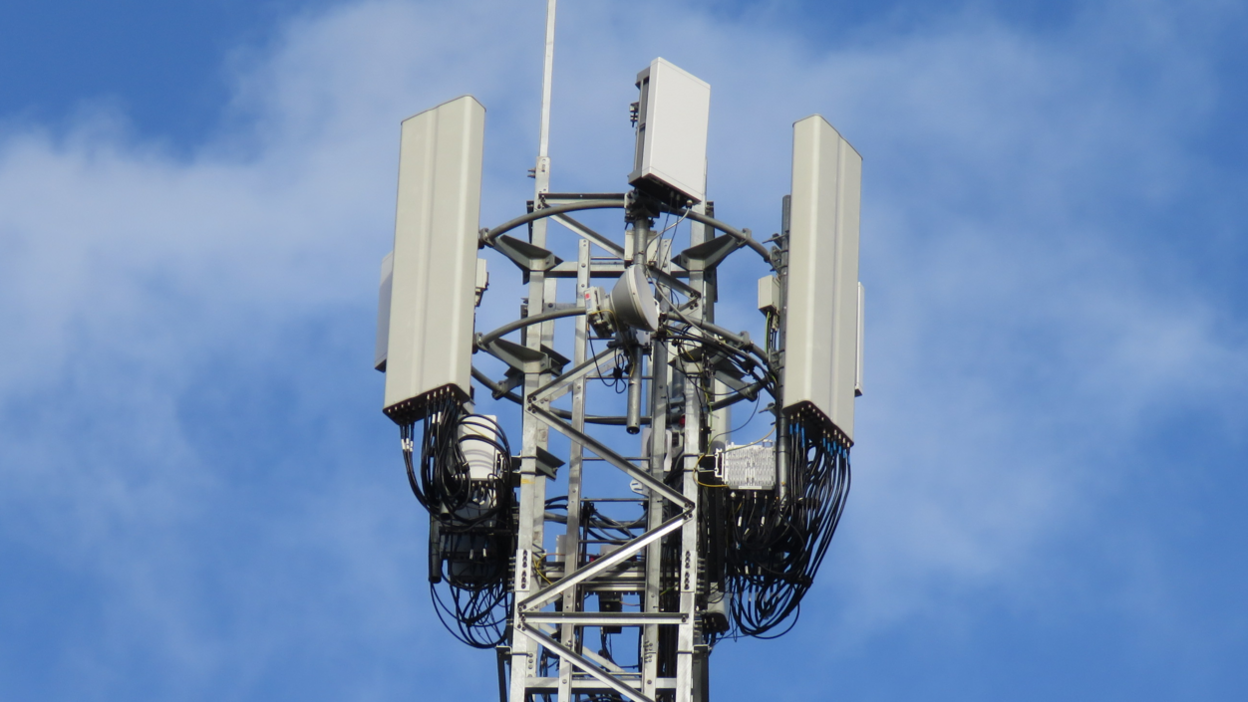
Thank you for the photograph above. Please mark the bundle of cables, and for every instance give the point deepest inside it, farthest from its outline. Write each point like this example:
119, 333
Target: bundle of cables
743, 363
775, 546
472, 522
600, 528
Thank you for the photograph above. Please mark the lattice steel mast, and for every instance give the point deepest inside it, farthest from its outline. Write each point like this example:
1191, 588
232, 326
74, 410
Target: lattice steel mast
698, 538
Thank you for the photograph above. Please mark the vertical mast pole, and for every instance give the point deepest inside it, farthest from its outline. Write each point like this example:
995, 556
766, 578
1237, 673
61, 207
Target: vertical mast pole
542, 172
529, 542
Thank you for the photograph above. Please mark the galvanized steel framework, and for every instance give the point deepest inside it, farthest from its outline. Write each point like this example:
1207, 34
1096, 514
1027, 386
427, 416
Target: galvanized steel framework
676, 387
550, 616
636, 565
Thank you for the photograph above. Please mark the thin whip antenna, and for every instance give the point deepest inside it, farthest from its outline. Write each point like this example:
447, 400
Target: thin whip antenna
542, 172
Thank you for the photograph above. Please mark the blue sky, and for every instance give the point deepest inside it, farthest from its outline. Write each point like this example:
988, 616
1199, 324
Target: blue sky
199, 496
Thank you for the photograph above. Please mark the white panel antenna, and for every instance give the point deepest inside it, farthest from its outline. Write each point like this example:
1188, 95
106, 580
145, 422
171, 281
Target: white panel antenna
672, 116
821, 334
435, 257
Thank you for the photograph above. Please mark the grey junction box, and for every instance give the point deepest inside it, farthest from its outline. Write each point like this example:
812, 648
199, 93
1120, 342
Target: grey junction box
429, 350
822, 325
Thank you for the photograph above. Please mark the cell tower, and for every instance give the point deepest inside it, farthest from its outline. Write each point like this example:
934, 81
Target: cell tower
619, 587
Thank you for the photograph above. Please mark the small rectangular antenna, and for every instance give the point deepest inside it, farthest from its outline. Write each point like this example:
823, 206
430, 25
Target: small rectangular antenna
435, 258
672, 116
822, 326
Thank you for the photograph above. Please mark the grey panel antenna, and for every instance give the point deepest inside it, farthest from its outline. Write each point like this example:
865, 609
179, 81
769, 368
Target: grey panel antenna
821, 329
435, 251
673, 113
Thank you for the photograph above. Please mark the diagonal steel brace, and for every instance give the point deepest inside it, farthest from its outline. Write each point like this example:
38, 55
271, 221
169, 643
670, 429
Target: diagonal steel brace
555, 388
547, 594
586, 665
609, 456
